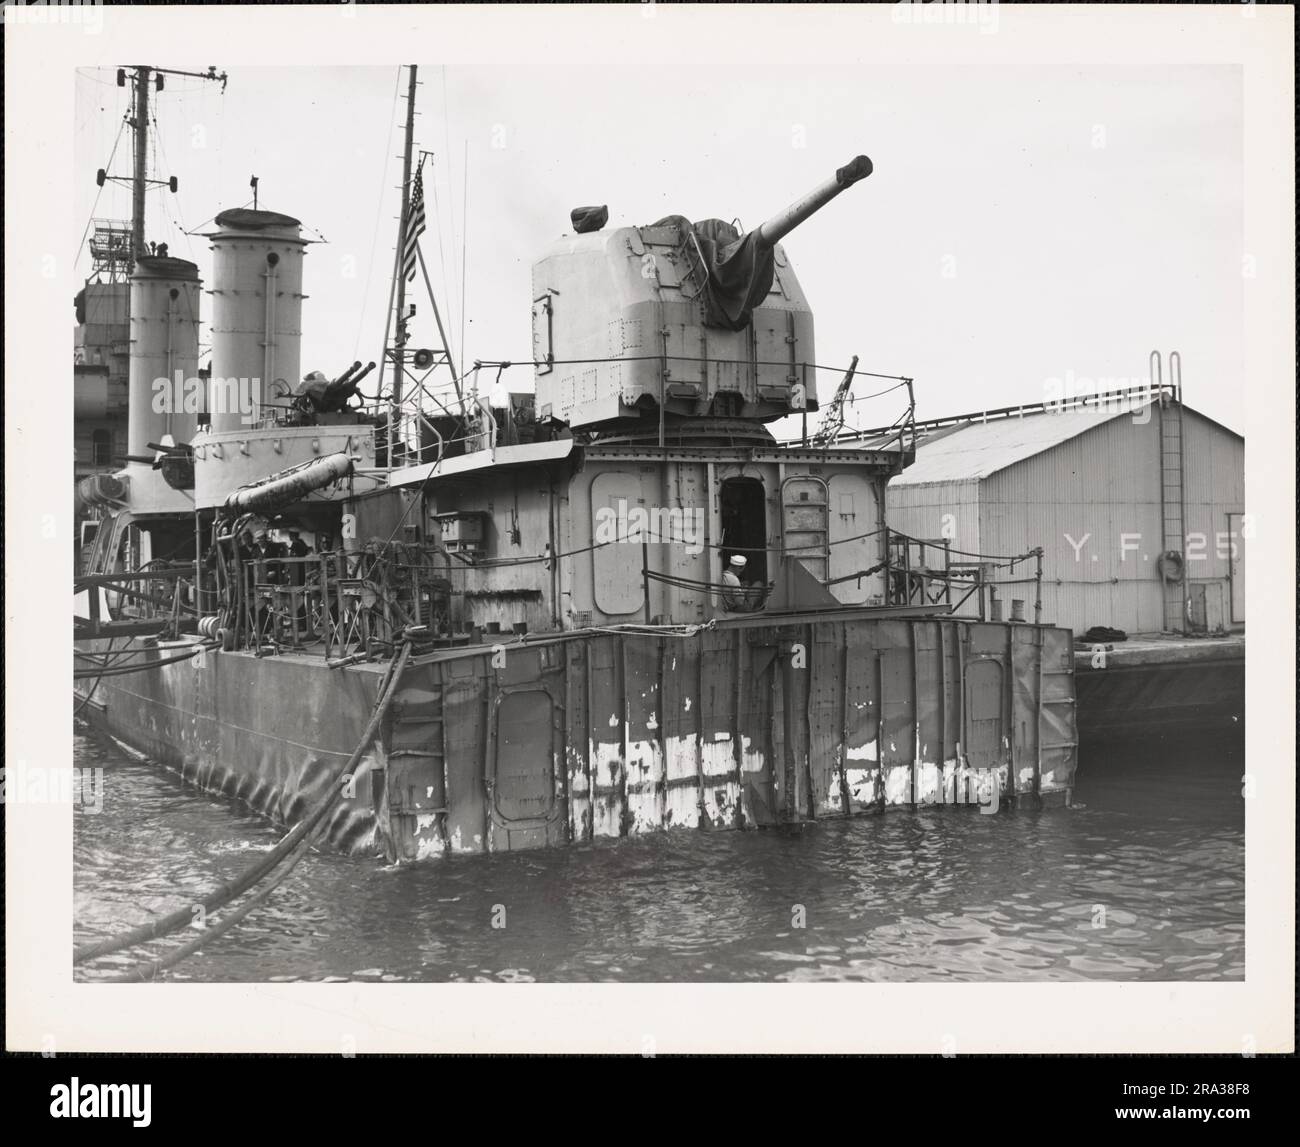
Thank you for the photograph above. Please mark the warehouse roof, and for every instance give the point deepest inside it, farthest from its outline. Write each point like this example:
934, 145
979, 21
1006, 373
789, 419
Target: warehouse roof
974, 450
970, 447
967, 448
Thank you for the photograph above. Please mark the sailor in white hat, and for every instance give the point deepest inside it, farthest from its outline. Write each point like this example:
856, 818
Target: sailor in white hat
733, 595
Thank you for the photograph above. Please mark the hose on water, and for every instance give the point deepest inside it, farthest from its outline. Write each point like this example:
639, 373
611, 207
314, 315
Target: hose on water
287, 850
91, 692
145, 972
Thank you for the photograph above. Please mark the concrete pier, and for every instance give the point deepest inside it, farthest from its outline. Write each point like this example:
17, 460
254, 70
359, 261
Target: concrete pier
1157, 681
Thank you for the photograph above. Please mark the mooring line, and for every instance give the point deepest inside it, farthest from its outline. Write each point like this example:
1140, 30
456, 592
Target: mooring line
290, 849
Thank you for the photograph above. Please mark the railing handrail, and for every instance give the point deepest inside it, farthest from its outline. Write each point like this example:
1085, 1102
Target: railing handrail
914, 579
1100, 398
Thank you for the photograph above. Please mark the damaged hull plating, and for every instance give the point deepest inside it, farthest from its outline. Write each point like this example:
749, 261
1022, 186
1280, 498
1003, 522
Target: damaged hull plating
608, 734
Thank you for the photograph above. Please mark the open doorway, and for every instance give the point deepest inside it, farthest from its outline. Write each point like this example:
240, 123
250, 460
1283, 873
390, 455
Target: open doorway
743, 508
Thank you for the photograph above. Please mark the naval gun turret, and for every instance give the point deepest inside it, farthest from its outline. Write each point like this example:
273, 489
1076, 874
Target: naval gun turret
695, 318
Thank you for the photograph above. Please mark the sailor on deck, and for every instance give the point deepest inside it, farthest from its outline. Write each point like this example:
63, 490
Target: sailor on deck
733, 594
268, 549
297, 548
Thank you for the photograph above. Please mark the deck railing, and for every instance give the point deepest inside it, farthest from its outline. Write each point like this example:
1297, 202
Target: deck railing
358, 603
922, 571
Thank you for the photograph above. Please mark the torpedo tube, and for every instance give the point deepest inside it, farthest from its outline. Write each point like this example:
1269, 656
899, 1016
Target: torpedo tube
292, 487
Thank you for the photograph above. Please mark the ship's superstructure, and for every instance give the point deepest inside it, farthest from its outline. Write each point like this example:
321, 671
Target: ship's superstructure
101, 348
628, 607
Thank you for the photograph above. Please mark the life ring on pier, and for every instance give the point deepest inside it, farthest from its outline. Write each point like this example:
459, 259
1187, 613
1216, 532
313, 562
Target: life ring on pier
1170, 565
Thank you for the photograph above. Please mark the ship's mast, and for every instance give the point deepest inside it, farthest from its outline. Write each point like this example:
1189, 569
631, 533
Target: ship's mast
401, 237
406, 260
140, 182
140, 125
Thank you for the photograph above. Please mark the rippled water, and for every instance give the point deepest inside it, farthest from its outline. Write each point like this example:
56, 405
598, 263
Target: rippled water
1145, 882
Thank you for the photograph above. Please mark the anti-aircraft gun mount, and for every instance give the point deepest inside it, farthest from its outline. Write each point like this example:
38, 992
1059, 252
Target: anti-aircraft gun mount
316, 395
677, 320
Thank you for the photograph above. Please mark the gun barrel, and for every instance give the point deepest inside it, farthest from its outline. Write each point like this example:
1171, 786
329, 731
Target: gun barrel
345, 386
781, 224
347, 373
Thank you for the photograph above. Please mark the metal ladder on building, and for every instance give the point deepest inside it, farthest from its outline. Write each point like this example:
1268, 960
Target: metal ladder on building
1172, 499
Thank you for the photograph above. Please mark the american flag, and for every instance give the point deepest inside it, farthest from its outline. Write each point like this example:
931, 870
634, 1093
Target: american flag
414, 227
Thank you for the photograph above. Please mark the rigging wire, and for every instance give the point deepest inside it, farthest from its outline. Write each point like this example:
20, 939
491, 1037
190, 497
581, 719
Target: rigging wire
451, 202
151, 143
100, 191
221, 124
464, 251
176, 222
855, 398
507, 364
442, 264
212, 218
379, 209
442, 257
87, 74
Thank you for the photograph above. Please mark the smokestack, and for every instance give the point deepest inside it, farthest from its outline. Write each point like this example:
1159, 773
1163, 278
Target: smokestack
164, 342
256, 312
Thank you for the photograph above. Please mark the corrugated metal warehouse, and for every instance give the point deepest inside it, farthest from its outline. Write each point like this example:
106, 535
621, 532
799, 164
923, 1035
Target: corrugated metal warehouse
1106, 490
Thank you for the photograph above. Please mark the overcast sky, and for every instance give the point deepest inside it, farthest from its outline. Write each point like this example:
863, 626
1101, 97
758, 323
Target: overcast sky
1022, 224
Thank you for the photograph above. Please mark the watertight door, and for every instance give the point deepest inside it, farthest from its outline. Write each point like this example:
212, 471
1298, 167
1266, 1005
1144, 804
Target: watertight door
522, 756
983, 733
618, 514
805, 523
